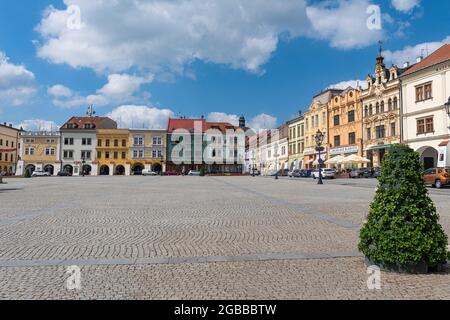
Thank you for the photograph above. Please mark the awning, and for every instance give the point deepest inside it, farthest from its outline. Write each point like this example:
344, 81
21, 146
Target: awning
384, 146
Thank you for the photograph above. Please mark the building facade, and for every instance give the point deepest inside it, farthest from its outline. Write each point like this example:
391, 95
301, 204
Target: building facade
78, 144
296, 142
189, 147
426, 124
316, 118
147, 151
9, 144
345, 124
112, 152
39, 151
381, 105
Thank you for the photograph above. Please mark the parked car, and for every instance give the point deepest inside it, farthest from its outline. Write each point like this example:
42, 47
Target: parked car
64, 174
372, 173
41, 174
326, 174
148, 172
194, 173
294, 174
283, 173
357, 173
306, 173
171, 173
437, 177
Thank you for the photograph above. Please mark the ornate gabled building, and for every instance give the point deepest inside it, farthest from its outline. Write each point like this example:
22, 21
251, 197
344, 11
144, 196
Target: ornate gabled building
381, 105
9, 141
345, 122
296, 142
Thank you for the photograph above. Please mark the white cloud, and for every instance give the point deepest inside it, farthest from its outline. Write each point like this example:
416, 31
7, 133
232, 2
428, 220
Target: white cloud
38, 125
410, 53
17, 84
405, 5
344, 23
164, 37
120, 88
133, 116
59, 91
263, 121
349, 83
223, 117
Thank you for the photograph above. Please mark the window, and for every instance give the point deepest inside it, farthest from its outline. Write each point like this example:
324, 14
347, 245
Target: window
12, 144
380, 132
390, 105
369, 134
49, 151
124, 155
124, 142
395, 103
351, 116
107, 155
352, 138
337, 141
424, 92
428, 91
377, 108
68, 154
85, 155
370, 110
366, 111
157, 141
107, 142
71, 126
68, 141
312, 122
382, 107
393, 129
337, 120
99, 155
116, 142
86, 141
116, 155
160, 155
88, 126
1, 142
425, 125
317, 120
138, 141
99, 142
324, 118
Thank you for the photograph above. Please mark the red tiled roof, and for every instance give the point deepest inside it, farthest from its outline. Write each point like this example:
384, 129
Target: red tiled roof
188, 124
440, 55
80, 122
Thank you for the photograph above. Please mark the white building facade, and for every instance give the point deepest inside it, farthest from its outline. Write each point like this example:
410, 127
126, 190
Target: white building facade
425, 122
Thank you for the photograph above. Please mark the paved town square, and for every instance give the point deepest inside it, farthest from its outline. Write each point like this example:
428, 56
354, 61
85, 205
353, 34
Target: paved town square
195, 238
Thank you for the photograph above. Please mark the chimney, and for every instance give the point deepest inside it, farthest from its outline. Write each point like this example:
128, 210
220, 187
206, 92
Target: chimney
419, 59
406, 64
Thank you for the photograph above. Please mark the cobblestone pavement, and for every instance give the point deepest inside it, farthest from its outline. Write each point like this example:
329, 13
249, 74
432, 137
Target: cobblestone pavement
194, 238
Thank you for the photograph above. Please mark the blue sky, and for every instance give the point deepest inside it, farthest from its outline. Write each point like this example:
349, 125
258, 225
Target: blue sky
140, 62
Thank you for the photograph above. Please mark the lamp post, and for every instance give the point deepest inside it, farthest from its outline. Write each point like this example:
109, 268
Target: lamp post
319, 141
276, 155
447, 107
83, 162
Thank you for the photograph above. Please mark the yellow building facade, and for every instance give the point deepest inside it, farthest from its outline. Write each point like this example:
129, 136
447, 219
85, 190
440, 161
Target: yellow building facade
112, 152
39, 151
345, 127
147, 150
9, 137
296, 142
316, 118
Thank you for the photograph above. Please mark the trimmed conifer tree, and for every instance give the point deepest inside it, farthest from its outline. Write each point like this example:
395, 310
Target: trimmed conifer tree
403, 229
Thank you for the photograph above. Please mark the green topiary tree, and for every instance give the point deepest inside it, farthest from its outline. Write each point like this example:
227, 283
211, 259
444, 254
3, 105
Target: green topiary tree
403, 231
202, 172
27, 174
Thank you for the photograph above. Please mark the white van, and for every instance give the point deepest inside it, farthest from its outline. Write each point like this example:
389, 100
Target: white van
148, 172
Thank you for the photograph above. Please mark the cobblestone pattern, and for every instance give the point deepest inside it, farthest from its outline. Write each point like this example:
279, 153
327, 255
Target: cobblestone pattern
136, 237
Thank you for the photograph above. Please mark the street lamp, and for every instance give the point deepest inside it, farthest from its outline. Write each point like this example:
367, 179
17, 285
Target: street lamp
447, 107
319, 141
276, 155
83, 162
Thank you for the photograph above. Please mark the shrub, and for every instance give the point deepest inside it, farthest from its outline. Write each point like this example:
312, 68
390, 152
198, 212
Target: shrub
27, 174
202, 172
403, 227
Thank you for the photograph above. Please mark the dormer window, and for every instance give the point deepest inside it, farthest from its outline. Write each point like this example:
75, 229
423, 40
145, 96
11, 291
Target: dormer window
71, 126
88, 126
